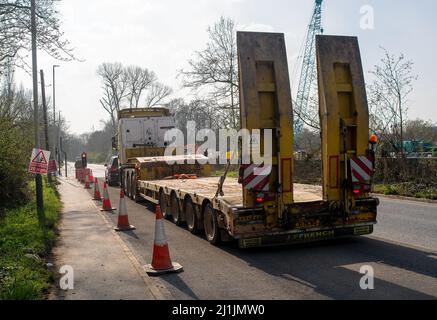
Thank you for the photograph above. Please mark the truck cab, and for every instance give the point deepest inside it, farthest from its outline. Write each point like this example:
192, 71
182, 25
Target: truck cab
141, 132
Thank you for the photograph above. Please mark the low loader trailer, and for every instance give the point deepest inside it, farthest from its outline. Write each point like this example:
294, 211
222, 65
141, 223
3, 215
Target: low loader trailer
271, 209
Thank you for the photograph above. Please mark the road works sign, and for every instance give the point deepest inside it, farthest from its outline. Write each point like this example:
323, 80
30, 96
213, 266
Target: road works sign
53, 166
39, 161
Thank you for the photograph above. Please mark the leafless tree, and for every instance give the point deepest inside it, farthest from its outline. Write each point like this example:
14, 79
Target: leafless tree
158, 92
114, 84
139, 79
215, 70
15, 32
198, 110
421, 130
108, 104
14, 101
388, 98
310, 143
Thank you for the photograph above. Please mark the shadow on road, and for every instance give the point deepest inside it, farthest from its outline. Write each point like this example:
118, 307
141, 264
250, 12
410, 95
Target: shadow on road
331, 268
322, 266
131, 234
176, 281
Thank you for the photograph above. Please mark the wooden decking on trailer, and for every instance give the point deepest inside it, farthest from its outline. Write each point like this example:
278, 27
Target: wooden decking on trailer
201, 189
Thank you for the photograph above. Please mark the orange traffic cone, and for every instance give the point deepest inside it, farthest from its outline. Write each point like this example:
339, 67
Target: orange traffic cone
91, 177
97, 195
161, 262
123, 219
106, 202
87, 182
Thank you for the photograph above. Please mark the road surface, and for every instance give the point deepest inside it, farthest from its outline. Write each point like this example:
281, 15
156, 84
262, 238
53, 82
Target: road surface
402, 252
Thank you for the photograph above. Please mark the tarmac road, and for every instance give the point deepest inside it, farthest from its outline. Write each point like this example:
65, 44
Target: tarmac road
402, 251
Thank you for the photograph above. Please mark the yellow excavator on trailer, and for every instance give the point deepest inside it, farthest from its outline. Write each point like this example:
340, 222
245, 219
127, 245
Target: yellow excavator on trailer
267, 210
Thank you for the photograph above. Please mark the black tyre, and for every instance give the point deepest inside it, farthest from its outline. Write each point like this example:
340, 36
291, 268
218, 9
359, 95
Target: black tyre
135, 194
212, 231
128, 186
125, 184
163, 205
174, 209
191, 216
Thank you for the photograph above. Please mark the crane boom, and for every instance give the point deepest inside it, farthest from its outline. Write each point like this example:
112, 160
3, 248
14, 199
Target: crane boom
308, 72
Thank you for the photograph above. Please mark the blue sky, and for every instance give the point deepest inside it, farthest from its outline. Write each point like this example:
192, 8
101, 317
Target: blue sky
162, 35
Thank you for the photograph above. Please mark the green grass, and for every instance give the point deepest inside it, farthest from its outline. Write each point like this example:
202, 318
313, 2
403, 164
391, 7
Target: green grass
407, 190
23, 249
231, 174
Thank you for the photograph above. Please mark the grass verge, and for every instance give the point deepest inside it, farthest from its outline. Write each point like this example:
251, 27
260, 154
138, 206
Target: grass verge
23, 249
231, 174
407, 190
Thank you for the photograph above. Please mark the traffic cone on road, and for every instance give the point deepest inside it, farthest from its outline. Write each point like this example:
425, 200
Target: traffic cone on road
161, 262
106, 202
123, 219
87, 182
91, 177
97, 195
82, 175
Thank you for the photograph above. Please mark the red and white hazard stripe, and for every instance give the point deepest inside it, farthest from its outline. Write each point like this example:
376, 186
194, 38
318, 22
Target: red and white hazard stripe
256, 177
362, 169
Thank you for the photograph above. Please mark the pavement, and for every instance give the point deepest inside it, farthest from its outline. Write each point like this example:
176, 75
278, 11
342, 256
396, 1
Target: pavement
402, 252
104, 269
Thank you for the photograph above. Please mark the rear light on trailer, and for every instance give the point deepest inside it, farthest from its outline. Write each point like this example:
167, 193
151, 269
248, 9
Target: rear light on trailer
356, 191
260, 197
360, 190
264, 197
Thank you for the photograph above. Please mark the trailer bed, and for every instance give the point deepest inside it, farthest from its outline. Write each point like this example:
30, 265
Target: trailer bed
201, 189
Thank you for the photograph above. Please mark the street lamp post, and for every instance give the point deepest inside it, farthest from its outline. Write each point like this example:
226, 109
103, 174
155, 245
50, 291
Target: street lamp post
56, 140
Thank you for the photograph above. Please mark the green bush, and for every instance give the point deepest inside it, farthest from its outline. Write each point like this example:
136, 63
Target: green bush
408, 189
391, 190
16, 149
96, 158
23, 248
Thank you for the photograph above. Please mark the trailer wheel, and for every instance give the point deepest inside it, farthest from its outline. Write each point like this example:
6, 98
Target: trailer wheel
135, 194
128, 185
190, 215
212, 231
125, 183
174, 209
163, 205
131, 186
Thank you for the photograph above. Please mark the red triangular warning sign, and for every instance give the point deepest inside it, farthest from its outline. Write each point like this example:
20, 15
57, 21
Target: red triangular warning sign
39, 161
40, 158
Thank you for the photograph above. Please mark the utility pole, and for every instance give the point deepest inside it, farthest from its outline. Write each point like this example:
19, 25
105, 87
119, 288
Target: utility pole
38, 177
44, 108
59, 141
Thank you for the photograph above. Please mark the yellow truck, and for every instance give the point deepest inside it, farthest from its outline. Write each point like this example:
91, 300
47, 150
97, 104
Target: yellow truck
271, 210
